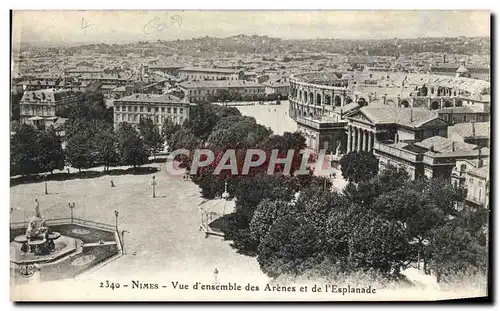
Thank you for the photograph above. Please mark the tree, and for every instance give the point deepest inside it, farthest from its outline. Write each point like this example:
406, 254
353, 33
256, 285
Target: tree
379, 244
454, 249
168, 129
15, 98
184, 139
202, 120
50, 154
249, 192
80, 152
106, 146
132, 149
291, 247
292, 235
266, 213
151, 135
234, 131
359, 166
23, 151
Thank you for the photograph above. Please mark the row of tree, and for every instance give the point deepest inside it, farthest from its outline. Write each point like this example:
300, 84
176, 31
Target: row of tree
89, 137
382, 221
220, 128
384, 224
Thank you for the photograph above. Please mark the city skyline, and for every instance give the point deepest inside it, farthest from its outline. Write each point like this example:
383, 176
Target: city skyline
80, 27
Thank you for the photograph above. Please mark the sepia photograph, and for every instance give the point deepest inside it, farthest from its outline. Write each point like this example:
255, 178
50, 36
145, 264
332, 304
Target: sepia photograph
250, 155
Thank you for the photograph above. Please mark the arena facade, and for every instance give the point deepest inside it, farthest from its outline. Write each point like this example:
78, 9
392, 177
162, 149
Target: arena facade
322, 102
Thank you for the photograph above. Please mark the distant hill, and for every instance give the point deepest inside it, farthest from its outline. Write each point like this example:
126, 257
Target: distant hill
264, 44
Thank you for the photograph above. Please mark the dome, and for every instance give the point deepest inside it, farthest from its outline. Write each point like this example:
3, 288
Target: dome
219, 207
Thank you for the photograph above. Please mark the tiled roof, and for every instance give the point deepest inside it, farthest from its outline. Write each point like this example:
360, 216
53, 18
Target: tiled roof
412, 117
51, 95
211, 70
470, 129
456, 110
219, 84
482, 171
152, 98
349, 107
445, 145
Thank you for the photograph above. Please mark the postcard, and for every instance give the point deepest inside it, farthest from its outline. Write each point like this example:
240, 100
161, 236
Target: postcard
250, 155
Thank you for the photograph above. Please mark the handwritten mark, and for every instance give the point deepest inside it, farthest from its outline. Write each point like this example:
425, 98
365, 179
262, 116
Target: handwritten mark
159, 25
85, 25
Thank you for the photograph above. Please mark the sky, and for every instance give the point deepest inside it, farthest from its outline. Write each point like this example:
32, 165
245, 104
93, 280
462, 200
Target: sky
71, 27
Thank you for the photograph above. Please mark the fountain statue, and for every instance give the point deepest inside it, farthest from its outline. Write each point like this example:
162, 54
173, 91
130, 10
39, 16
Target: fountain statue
38, 238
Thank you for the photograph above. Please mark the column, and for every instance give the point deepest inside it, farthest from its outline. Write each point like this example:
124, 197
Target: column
370, 141
358, 134
349, 133
363, 140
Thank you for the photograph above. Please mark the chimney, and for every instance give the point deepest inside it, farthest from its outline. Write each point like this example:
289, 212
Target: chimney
411, 114
473, 129
397, 138
479, 161
453, 146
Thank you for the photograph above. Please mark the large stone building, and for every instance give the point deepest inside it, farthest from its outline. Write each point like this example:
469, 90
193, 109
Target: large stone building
40, 107
370, 125
474, 71
200, 74
455, 115
433, 157
477, 133
477, 183
278, 87
155, 107
319, 104
196, 91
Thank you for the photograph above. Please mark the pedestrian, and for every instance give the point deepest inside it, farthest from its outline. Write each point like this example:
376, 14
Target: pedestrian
112, 183
216, 273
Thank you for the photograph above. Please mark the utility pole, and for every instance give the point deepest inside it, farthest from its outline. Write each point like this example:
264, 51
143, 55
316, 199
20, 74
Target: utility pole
71, 207
45, 182
116, 220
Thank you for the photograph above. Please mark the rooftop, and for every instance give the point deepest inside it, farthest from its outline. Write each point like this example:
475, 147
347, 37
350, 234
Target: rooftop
152, 98
456, 110
481, 171
211, 70
473, 129
219, 84
51, 95
412, 117
444, 145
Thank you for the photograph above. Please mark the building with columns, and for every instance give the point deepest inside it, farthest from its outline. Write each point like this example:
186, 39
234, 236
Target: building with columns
369, 125
319, 103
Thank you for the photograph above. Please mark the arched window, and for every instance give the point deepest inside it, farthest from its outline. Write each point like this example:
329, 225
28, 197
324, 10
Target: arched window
338, 101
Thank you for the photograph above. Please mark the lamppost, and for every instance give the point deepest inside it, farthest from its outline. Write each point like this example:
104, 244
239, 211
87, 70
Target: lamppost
153, 183
123, 241
45, 181
116, 219
225, 196
10, 218
71, 207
